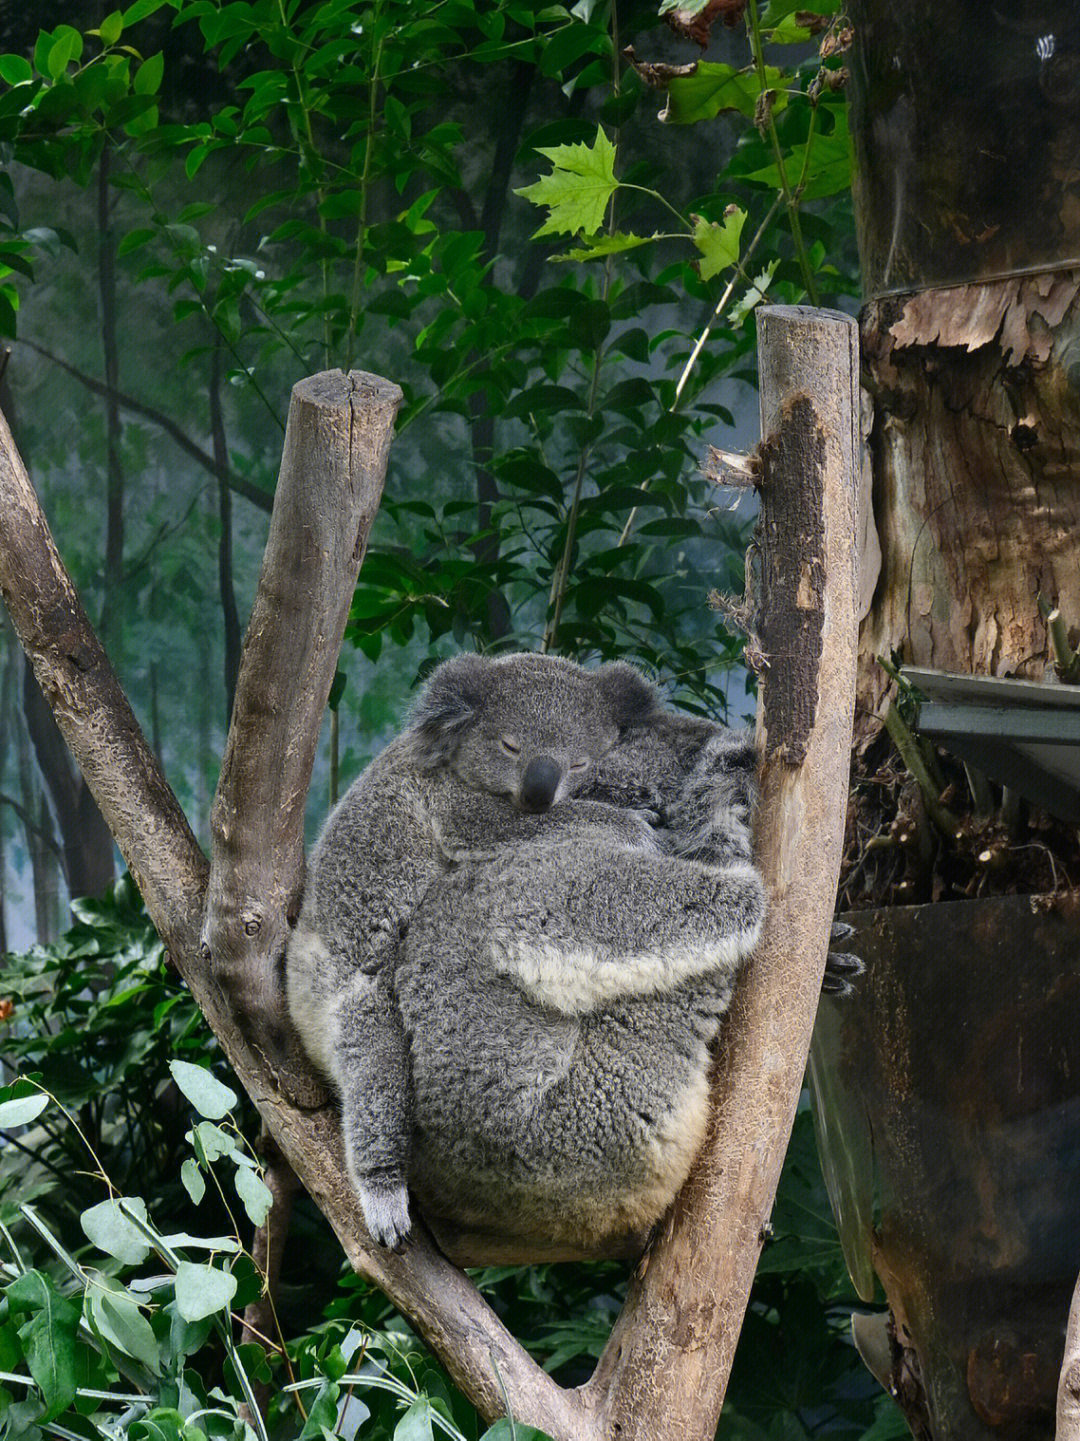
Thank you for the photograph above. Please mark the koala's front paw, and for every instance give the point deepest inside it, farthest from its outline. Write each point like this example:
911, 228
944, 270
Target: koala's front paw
386, 1212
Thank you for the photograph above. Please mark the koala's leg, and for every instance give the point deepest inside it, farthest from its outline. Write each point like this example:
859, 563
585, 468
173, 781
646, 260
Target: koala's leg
371, 1068
579, 928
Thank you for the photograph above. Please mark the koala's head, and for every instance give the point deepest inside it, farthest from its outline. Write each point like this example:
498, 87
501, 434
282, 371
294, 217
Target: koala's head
527, 727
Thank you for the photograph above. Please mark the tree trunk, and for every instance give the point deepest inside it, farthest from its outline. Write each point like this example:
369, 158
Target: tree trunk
670, 1354
970, 245
966, 133
976, 453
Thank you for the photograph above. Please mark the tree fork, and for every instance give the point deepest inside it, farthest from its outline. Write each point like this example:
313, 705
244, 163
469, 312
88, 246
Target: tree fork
353, 417
665, 1369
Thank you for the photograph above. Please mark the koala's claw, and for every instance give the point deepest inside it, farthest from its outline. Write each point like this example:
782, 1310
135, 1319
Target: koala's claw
841, 969
386, 1214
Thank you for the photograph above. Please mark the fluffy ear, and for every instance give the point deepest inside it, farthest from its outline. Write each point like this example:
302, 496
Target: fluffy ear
633, 699
448, 705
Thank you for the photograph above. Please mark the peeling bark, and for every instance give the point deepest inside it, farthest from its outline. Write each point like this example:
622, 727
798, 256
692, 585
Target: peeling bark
976, 446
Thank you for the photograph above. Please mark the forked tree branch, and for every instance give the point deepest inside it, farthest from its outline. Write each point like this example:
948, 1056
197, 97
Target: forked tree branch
665, 1369
331, 480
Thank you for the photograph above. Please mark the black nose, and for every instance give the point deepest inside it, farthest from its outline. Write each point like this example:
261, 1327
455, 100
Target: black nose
539, 783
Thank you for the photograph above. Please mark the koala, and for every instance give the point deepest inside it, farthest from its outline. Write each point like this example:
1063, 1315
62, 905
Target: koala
491, 747
560, 994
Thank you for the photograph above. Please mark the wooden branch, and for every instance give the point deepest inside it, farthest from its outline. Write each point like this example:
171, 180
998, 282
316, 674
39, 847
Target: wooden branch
172, 873
93, 714
1068, 1396
665, 1369
328, 491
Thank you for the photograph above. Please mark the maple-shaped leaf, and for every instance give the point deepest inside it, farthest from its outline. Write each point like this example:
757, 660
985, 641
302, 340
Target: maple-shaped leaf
596, 247
718, 241
578, 189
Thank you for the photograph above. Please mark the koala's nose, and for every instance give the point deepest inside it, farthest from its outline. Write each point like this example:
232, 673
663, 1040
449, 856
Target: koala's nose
539, 783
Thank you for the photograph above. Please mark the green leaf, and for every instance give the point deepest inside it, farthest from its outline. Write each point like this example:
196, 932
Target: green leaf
211, 1142
597, 246
713, 88
828, 171
322, 1417
181, 1240
134, 238
254, 1193
107, 1227
416, 1424
192, 1178
22, 1110
755, 295
48, 1338
111, 28
15, 69
202, 1290
163, 1423
148, 76
205, 1092
142, 8
718, 241
579, 187
507, 1430
115, 1315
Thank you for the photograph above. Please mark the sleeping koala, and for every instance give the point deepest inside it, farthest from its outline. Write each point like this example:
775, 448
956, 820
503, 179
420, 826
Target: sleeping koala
492, 745
582, 933
560, 993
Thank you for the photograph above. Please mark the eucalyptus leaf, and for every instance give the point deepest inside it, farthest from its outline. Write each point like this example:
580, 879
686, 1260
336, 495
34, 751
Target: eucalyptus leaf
106, 1226
416, 1424
115, 1315
202, 1290
213, 1141
193, 1180
255, 1194
205, 1092
22, 1110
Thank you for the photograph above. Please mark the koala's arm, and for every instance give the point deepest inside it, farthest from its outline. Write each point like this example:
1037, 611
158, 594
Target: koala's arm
376, 857
580, 927
708, 818
374, 1081
482, 825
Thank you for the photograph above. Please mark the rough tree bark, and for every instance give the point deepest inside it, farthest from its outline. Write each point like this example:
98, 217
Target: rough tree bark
1068, 1397
664, 1371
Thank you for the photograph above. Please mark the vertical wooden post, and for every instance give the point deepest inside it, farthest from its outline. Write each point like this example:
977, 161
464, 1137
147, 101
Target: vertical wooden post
665, 1370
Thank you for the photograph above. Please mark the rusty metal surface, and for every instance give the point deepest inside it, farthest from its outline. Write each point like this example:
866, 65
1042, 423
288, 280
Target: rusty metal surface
948, 1092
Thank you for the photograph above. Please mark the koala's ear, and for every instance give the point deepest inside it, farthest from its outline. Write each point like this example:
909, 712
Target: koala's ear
633, 699
448, 705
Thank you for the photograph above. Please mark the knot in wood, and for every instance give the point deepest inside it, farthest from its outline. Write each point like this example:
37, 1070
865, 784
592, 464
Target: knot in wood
1072, 1382
252, 922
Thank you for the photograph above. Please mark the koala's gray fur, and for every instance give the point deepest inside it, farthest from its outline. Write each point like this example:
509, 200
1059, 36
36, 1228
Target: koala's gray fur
560, 993
491, 745
516, 1008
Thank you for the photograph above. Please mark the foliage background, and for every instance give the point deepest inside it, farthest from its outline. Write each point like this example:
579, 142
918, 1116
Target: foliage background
200, 203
